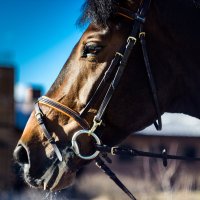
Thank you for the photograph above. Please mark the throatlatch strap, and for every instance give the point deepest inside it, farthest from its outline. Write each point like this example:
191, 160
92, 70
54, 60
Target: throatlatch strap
158, 125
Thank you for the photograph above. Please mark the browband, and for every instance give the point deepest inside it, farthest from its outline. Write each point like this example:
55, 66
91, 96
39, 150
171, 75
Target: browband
124, 12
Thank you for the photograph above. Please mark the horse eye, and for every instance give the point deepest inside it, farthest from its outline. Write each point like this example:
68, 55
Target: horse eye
91, 50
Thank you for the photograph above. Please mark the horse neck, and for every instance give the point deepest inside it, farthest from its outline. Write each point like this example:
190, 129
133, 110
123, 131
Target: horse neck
179, 26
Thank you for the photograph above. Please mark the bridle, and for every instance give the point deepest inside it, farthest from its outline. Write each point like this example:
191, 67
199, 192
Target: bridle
116, 70
111, 77
117, 65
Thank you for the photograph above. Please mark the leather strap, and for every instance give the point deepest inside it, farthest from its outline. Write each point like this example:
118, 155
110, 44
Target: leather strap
134, 152
64, 110
101, 165
139, 20
106, 78
39, 116
158, 125
124, 12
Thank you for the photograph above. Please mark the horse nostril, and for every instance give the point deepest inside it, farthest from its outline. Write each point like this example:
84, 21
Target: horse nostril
20, 155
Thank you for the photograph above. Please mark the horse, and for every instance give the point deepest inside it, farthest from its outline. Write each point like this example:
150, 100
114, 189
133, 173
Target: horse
62, 132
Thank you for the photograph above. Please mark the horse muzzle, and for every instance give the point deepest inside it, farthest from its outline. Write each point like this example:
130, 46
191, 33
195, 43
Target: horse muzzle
51, 175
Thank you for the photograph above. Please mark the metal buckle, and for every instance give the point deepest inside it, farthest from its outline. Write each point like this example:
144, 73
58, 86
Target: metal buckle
95, 125
121, 55
38, 115
75, 146
132, 38
112, 150
142, 34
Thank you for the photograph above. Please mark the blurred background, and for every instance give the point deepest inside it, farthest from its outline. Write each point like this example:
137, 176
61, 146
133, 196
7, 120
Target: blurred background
36, 38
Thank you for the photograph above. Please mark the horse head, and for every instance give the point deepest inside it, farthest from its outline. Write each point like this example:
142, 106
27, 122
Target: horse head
72, 104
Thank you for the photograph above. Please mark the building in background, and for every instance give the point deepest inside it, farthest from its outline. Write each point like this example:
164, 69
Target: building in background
14, 113
8, 135
25, 98
7, 118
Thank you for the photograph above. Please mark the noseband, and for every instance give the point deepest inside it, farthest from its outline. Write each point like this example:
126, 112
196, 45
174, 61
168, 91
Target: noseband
60, 108
117, 67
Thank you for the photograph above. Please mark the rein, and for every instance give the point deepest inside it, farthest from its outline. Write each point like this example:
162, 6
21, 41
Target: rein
136, 153
117, 67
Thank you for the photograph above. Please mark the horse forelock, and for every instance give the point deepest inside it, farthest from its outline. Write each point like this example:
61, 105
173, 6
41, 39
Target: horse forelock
99, 11
96, 11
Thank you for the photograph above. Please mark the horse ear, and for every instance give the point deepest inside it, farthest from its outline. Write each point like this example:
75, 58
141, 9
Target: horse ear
197, 3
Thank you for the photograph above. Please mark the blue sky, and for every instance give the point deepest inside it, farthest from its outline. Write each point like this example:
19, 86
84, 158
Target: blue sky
38, 36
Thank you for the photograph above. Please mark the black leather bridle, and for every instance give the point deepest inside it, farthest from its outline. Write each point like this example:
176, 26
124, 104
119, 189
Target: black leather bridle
116, 67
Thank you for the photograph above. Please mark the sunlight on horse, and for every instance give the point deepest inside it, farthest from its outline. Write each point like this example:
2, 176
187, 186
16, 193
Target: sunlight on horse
173, 44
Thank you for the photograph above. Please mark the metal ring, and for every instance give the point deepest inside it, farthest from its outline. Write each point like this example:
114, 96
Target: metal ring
75, 147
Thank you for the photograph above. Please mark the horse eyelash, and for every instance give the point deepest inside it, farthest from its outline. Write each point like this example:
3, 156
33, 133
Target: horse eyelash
87, 48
